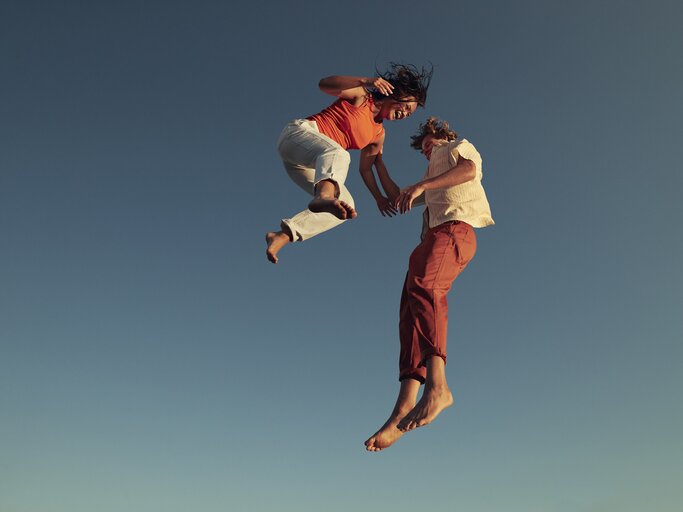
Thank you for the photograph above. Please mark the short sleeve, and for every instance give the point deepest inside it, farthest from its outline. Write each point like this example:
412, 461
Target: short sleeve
464, 148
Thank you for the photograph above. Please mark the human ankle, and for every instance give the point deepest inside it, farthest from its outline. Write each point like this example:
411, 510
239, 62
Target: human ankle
436, 373
324, 196
285, 232
326, 190
402, 409
440, 388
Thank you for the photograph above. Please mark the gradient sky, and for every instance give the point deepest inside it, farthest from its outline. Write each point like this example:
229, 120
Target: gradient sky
152, 360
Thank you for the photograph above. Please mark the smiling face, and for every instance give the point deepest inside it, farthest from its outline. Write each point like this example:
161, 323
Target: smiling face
397, 109
429, 143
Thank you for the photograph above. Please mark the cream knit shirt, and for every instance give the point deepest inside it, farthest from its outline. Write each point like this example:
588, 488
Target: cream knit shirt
465, 202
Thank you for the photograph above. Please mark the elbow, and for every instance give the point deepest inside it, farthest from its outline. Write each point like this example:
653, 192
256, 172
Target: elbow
470, 172
324, 83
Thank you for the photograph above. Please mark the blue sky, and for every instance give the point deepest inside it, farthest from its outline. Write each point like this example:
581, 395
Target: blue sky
151, 359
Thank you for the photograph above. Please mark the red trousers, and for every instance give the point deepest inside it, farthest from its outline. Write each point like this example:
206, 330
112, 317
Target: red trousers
434, 264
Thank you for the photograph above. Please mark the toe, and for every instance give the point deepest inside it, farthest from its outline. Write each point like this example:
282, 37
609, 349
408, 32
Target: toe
350, 210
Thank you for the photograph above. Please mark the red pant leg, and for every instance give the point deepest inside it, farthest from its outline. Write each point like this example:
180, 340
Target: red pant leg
410, 356
434, 264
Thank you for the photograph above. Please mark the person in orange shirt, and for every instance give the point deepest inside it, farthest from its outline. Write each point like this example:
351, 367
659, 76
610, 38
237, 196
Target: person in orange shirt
315, 150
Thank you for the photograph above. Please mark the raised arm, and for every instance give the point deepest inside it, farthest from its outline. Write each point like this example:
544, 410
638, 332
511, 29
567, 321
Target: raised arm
354, 89
368, 157
464, 171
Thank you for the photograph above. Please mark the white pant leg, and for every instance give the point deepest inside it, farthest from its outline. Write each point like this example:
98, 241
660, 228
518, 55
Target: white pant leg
310, 157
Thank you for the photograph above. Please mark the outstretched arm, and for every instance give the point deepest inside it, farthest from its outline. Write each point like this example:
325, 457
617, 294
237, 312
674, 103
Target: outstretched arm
368, 157
354, 89
464, 171
390, 187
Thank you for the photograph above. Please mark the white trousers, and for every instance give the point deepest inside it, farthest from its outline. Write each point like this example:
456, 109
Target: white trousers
310, 157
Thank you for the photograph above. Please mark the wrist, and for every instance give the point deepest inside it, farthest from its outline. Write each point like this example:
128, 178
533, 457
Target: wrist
375, 193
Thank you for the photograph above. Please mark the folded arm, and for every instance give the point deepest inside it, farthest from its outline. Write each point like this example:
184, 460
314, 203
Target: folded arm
464, 171
354, 89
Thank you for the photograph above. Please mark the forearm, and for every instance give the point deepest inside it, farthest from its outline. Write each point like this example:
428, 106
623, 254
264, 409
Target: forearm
370, 182
390, 188
336, 84
462, 173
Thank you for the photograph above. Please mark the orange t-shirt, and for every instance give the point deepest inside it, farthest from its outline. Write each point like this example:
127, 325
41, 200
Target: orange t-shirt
352, 127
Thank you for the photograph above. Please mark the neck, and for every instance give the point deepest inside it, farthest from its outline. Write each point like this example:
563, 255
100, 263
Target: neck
376, 109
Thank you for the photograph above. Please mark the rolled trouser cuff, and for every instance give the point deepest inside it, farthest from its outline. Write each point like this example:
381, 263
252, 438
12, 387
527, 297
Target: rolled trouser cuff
419, 374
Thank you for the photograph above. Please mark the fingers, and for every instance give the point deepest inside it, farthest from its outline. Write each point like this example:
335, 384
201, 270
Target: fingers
405, 202
383, 86
386, 208
401, 203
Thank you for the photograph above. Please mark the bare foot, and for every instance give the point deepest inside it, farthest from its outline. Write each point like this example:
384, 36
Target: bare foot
387, 435
276, 241
433, 401
338, 208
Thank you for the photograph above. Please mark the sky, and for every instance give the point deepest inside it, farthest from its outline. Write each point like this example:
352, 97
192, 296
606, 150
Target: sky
151, 359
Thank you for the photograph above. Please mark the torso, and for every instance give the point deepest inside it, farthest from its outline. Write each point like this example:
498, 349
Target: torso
353, 127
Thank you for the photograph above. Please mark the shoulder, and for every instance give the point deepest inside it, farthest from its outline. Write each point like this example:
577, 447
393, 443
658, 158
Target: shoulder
464, 148
357, 105
462, 145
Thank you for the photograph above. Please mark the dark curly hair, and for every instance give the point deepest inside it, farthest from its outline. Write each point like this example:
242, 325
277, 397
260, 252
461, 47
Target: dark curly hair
408, 81
432, 126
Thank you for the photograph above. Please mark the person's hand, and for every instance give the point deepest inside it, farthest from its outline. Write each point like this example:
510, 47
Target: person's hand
380, 84
386, 207
404, 202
